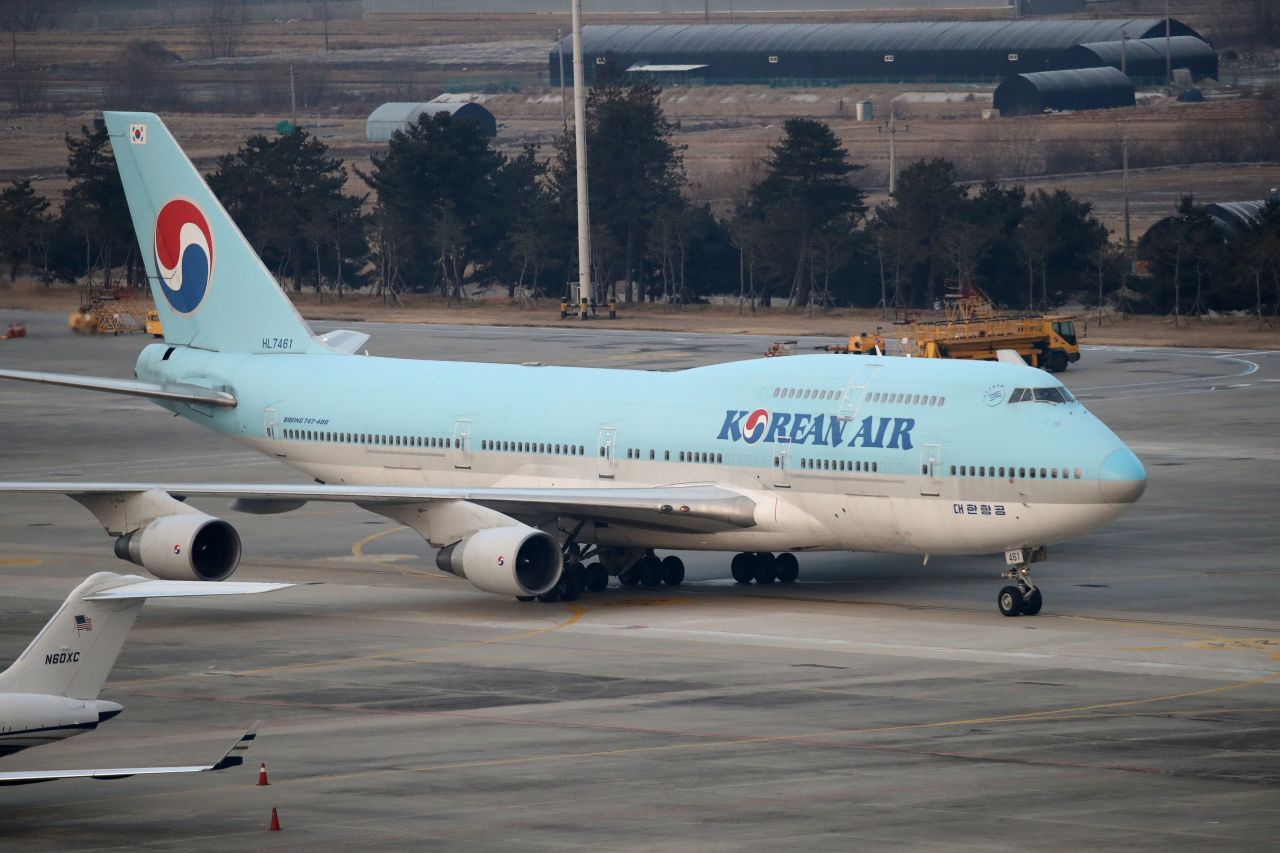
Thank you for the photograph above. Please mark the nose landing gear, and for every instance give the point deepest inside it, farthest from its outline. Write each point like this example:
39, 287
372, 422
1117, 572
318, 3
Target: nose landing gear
1024, 599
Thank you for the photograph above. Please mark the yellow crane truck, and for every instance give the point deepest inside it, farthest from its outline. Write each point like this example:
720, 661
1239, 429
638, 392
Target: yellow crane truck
974, 330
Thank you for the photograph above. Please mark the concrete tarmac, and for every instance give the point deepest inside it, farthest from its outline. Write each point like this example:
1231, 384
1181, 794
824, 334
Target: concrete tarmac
876, 704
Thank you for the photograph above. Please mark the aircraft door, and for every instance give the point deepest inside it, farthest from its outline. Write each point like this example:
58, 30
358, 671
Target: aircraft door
931, 469
781, 479
608, 452
461, 449
856, 391
271, 427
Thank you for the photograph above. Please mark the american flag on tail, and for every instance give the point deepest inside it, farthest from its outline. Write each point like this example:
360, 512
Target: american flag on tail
84, 623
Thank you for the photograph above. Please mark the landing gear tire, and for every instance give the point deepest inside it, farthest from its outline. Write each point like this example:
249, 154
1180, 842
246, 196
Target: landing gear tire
788, 568
741, 568
630, 577
597, 578
572, 583
1010, 601
650, 572
766, 567
1032, 603
672, 571
568, 588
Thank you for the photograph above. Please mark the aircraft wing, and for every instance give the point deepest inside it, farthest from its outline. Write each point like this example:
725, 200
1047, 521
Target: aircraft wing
229, 759
686, 508
179, 391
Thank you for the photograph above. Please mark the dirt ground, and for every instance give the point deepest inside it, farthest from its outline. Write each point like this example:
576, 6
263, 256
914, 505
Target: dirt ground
1230, 332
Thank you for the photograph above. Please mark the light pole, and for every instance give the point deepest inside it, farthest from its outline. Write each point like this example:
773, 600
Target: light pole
580, 153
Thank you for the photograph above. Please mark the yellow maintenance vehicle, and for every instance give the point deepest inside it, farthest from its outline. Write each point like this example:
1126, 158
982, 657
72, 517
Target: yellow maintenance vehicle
113, 314
861, 344
973, 330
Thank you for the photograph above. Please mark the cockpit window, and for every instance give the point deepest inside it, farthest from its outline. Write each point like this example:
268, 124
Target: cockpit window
1055, 394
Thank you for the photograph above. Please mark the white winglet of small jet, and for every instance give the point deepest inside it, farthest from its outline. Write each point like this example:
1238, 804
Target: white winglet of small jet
51, 691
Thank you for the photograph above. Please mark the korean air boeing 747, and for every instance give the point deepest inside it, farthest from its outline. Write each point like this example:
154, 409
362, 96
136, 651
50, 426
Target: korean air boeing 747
543, 481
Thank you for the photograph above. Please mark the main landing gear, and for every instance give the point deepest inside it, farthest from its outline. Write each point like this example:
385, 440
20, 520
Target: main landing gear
651, 572
1024, 599
763, 567
580, 576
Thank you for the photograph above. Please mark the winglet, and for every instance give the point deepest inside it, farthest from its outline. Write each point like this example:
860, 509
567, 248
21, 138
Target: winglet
242, 745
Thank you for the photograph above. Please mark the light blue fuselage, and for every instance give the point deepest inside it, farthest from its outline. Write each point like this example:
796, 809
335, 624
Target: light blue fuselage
851, 452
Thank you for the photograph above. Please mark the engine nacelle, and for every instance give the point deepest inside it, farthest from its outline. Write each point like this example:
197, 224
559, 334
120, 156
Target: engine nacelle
514, 560
187, 547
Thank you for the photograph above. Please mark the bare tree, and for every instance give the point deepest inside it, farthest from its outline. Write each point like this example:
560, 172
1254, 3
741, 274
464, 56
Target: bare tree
25, 16
27, 88
222, 27
1019, 143
138, 79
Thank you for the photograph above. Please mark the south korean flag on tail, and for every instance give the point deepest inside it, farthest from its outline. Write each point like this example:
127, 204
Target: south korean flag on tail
138, 134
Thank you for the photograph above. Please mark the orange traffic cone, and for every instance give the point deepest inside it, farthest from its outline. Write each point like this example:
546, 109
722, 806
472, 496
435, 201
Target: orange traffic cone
275, 821
262, 774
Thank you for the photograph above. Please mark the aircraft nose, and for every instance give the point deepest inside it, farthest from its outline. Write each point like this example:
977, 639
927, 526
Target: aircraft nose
1122, 479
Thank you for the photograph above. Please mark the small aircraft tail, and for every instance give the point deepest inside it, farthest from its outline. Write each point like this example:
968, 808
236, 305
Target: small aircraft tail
210, 288
74, 652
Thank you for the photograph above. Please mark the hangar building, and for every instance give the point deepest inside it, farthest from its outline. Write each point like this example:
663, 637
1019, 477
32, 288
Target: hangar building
1072, 89
1234, 218
1144, 59
398, 115
852, 52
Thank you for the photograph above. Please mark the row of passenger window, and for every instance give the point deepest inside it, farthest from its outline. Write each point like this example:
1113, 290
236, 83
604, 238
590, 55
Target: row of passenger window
1016, 473
378, 439
681, 455
805, 393
535, 447
855, 465
906, 399
874, 397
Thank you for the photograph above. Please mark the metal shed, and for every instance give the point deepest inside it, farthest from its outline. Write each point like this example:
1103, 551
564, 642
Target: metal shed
1072, 89
1235, 217
398, 115
1144, 59
891, 52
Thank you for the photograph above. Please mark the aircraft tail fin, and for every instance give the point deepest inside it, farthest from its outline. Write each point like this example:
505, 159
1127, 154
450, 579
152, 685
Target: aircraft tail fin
210, 287
74, 652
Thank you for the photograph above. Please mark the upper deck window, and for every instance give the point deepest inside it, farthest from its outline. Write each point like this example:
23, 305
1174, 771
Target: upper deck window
1056, 394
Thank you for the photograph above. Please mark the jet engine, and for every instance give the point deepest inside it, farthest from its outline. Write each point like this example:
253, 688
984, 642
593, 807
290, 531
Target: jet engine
515, 560
187, 547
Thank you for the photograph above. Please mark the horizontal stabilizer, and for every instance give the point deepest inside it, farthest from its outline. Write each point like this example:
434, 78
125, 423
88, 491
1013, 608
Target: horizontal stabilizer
182, 589
1008, 356
343, 341
178, 391
229, 759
